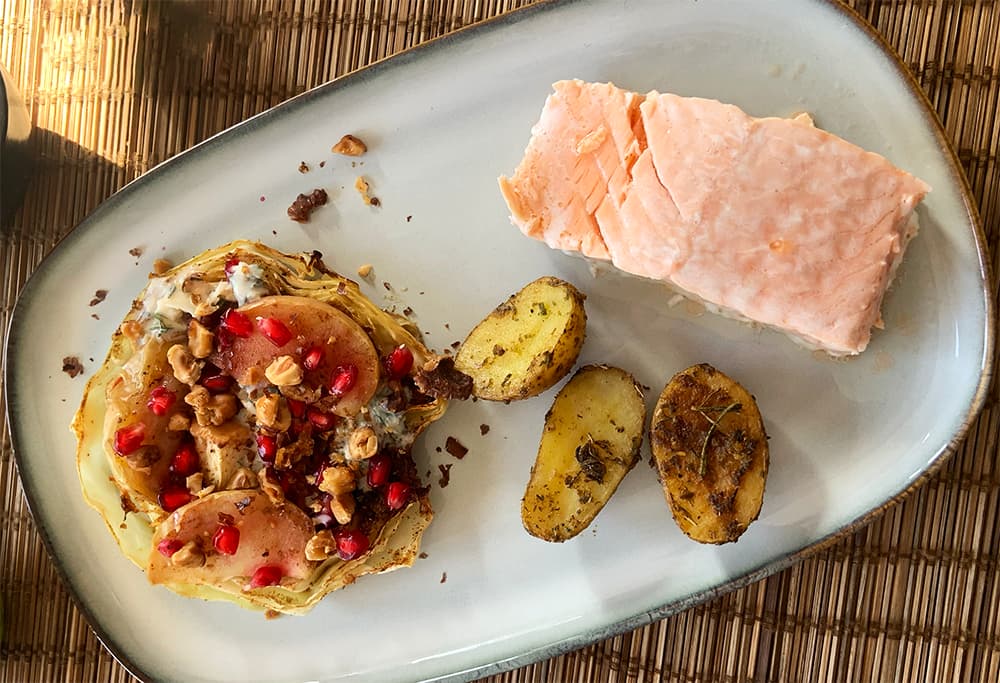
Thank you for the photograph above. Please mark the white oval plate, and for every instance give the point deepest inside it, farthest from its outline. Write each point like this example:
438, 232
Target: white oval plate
442, 122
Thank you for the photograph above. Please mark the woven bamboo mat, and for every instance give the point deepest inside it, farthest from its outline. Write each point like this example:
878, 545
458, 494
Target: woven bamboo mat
116, 87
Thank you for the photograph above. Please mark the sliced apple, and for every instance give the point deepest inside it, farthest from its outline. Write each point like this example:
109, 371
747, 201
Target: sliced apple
269, 535
144, 471
341, 342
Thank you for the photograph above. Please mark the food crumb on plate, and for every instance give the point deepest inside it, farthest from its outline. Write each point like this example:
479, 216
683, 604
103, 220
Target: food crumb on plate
99, 296
422, 556
365, 270
444, 576
301, 209
72, 366
363, 187
161, 266
455, 447
135, 251
484, 429
445, 475
303, 167
350, 145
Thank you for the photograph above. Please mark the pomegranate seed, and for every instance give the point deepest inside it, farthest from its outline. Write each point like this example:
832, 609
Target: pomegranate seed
276, 331
399, 362
160, 400
296, 408
231, 264
351, 543
226, 539
312, 358
267, 575
217, 384
237, 323
129, 439
185, 461
168, 546
320, 420
174, 496
397, 495
343, 380
267, 447
379, 469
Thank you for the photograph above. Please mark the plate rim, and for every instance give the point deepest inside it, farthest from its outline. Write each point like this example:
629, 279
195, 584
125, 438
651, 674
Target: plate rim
12, 339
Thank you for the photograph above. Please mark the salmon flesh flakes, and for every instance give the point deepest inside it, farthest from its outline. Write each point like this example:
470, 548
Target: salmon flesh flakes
770, 220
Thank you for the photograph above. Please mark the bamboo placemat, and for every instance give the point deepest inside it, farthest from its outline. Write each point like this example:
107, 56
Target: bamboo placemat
116, 87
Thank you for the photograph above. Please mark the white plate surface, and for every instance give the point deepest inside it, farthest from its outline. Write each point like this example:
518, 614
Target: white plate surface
441, 123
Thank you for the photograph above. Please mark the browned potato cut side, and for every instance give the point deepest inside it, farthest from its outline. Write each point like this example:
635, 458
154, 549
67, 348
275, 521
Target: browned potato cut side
711, 453
527, 344
589, 443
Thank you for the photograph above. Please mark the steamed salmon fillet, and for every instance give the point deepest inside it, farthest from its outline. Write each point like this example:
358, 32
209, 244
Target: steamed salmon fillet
767, 219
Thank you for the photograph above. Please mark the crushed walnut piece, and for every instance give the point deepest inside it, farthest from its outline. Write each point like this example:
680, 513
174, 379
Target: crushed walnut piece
161, 266
195, 482
284, 371
244, 478
72, 366
364, 189
273, 412
303, 167
295, 451
362, 444
336, 479
186, 368
270, 486
342, 506
190, 555
302, 392
321, 546
301, 209
143, 459
441, 379
350, 146
211, 409
200, 339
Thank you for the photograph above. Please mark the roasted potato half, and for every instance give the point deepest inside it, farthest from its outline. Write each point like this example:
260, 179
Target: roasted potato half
711, 454
589, 443
527, 344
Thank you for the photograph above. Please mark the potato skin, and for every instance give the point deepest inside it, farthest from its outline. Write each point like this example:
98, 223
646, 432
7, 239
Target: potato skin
590, 441
713, 475
527, 344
